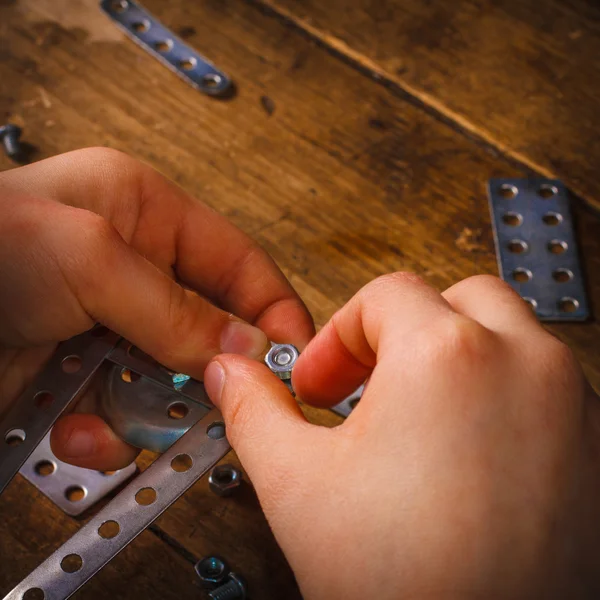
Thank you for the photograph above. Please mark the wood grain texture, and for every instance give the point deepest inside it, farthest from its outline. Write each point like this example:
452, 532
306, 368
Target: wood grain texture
524, 75
339, 178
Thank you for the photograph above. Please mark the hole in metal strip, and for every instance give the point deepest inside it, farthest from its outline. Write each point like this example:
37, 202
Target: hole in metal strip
75, 493
508, 191
71, 364
532, 302
568, 305
562, 275
71, 563
119, 6
512, 219
517, 246
216, 431
145, 496
178, 410
163, 45
34, 594
212, 80
552, 218
15, 437
188, 63
558, 246
109, 530
129, 376
522, 275
182, 463
43, 400
141, 26
45, 468
547, 191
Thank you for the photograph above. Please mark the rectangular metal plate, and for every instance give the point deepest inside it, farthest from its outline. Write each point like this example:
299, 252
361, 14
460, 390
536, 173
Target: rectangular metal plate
536, 246
72, 489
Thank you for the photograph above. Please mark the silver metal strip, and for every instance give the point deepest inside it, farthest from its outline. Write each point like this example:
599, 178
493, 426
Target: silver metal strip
32, 415
125, 517
537, 248
72, 489
149, 33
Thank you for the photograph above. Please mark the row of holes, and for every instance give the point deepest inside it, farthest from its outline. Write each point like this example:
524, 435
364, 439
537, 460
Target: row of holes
522, 275
515, 219
145, 496
164, 46
517, 246
565, 305
510, 191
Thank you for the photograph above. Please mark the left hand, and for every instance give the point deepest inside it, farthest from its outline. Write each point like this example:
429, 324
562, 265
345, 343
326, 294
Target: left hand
96, 236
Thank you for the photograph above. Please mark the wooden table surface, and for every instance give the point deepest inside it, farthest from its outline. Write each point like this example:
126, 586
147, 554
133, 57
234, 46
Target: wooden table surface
359, 142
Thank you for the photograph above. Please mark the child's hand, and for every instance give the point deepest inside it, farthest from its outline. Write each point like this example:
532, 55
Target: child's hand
95, 236
468, 470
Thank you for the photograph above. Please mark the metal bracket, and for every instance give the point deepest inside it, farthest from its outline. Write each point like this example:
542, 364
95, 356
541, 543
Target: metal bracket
72, 489
149, 33
348, 404
536, 246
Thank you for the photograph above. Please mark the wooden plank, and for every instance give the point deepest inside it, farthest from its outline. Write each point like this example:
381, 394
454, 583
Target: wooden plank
339, 178
523, 75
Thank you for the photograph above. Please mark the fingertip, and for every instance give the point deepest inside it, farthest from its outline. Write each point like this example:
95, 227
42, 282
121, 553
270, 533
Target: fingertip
86, 441
327, 372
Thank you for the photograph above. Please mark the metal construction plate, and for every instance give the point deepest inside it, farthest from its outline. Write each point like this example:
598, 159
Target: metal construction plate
163, 44
72, 489
347, 405
536, 246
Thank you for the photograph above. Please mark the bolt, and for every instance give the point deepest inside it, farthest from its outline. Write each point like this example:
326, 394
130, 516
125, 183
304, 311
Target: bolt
234, 589
9, 135
224, 479
212, 571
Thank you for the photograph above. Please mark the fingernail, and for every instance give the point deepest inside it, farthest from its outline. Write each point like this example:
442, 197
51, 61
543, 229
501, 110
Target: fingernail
244, 339
214, 380
80, 444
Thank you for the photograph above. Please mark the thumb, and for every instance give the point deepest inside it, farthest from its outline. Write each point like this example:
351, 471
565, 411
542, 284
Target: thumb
264, 423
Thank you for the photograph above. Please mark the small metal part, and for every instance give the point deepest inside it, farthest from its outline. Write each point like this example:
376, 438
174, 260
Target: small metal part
224, 480
9, 135
212, 571
281, 359
72, 489
536, 246
127, 515
149, 33
234, 589
347, 405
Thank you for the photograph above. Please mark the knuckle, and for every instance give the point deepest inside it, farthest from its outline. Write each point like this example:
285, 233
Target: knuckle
391, 283
457, 340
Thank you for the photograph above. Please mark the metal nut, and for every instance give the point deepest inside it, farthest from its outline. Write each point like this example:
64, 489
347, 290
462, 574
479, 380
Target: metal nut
212, 571
224, 479
281, 359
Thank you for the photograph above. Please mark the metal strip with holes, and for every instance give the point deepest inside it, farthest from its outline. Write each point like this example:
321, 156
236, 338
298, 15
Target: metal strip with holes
149, 33
127, 515
66, 374
537, 248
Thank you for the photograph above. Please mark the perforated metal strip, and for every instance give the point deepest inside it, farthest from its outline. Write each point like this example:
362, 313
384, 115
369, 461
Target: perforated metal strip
537, 248
149, 33
67, 372
125, 517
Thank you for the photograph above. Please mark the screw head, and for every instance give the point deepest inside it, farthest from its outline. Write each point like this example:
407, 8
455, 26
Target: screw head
212, 571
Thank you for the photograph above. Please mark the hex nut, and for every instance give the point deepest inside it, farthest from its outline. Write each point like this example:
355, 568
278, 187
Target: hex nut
224, 480
212, 571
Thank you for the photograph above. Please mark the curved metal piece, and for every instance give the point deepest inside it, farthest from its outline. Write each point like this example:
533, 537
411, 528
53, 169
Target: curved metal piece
145, 414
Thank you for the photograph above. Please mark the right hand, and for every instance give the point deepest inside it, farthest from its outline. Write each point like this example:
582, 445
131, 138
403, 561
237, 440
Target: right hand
469, 469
